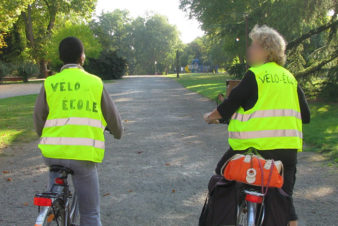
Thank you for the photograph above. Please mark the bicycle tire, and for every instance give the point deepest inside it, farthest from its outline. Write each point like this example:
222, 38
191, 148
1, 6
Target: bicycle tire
242, 215
47, 217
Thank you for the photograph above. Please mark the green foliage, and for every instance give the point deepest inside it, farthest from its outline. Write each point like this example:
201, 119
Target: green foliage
225, 24
154, 39
112, 31
237, 70
330, 86
141, 41
38, 19
108, 66
5, 69
10, 11
81, 31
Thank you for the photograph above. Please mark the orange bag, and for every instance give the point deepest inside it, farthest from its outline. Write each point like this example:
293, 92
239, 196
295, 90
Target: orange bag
250, 169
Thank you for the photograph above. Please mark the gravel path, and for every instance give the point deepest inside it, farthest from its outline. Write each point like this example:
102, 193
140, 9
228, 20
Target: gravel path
158, 173
12, 90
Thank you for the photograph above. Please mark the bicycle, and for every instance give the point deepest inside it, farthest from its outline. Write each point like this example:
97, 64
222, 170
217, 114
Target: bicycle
59, 205
250, 211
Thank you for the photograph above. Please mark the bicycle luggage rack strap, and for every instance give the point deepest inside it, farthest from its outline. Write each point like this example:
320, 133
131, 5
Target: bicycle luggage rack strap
51, 195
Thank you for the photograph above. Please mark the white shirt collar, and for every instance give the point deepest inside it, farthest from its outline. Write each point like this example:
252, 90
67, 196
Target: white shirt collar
66, 66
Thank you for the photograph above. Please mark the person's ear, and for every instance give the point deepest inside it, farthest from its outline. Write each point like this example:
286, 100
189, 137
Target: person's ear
83, 58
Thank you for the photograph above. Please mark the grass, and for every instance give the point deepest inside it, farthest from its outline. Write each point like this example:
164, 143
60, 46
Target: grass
321, 135
16, 121
208, 85
322, 132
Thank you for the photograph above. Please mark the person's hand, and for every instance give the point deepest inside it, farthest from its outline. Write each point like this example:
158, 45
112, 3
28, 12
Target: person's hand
208, 120
220, 97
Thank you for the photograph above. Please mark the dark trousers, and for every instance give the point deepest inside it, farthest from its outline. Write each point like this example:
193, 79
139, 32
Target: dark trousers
289, 160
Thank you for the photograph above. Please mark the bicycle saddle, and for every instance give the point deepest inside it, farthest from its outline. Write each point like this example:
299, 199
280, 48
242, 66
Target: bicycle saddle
58, 168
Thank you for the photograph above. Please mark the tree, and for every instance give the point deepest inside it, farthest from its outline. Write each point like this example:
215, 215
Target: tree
39, 20
225, 19
305, 23
10, 11
154, 40
81, 31
114, 33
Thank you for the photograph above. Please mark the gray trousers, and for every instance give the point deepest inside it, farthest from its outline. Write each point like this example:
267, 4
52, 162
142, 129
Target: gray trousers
86, 184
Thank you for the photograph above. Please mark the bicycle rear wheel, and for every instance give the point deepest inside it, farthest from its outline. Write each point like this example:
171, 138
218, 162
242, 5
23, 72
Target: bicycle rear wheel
242, 215
49, 216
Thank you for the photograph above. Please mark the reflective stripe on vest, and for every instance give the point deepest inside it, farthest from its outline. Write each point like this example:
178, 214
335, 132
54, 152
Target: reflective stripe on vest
267, 113
72, 141
74, 121
265, 134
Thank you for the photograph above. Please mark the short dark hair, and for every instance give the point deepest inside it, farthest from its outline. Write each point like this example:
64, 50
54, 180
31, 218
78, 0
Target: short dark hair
70, 50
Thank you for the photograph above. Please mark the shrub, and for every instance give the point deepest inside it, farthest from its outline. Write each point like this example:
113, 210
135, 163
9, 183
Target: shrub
26, 70
330, 86
237, 71
108, 66
5, 69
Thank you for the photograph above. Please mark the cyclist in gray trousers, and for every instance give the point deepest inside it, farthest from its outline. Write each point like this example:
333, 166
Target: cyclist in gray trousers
85, 176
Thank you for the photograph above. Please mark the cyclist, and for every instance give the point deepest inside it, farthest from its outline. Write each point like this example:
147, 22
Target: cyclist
266, 110
71, 113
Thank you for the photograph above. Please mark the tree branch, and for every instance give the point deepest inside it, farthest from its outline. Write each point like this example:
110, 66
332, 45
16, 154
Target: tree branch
52, 16
317, 30
316, 67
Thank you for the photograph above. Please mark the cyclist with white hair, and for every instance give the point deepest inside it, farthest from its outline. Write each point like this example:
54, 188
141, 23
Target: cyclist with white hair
266, 110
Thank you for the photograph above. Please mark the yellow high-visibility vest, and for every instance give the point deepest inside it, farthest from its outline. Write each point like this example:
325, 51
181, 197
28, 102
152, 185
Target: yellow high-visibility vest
275, 120
75, 124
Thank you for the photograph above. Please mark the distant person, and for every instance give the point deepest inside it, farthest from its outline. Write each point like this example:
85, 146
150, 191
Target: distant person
71, 113
266, 110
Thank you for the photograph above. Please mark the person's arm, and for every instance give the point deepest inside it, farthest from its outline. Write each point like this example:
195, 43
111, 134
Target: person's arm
41, 111
304, 107
111, 115
244, 91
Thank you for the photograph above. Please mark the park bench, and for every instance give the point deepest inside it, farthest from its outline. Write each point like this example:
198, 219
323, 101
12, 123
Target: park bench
11, 79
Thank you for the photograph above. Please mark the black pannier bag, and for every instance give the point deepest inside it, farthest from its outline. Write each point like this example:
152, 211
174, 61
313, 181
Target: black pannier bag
277, 208
220, 208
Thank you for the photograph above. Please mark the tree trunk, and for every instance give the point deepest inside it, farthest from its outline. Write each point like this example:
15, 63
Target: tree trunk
43, 68
241, 59
27, 17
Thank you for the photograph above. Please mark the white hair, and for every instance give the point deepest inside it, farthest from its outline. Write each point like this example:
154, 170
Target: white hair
270, 40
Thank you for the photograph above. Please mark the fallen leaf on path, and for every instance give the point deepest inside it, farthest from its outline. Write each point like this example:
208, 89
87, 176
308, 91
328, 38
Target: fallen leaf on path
167, 164
106, 194
5, 171
25, 204
126, 120
130, 190
173, 191
139, 152
9, 179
